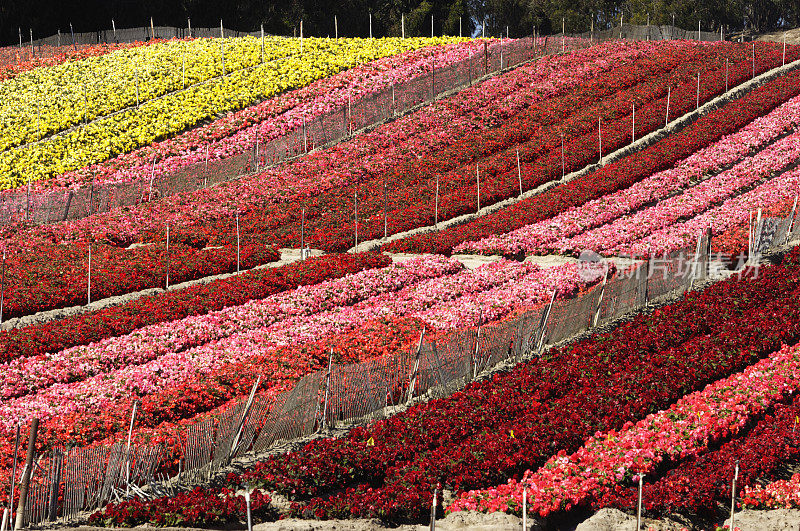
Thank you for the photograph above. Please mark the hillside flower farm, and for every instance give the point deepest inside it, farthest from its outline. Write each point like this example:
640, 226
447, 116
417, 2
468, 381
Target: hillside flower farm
495, 281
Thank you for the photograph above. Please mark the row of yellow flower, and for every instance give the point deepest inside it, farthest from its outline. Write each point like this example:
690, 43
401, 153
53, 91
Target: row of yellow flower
177, 110
48, 100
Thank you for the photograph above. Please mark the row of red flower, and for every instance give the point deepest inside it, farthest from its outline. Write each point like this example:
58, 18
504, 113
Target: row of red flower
57, 276
496, 429
172, 305
197, 508
615, 176
698, 485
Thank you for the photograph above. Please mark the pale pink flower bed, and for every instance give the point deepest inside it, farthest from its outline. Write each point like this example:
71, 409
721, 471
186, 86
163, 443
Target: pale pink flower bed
686, 429
550, 235
734, 212
611, 238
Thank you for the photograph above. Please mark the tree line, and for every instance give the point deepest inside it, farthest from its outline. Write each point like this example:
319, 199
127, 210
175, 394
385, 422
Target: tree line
282, 17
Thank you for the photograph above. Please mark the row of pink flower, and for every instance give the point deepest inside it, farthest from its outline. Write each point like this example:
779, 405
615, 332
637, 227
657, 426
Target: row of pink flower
237, 132
693, 201
178, 368
375, 153
734, 212
686, 429
21, 376
546, 236
780, 494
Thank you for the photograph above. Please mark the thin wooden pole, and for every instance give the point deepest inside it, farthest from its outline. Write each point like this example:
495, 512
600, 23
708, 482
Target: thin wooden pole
633, 124
26, 474
436, 212
478, 180
89, 278
14, 476
698, 91
2, 286
733, 494
519, 173
238, 243
666, 119
167, 283
128, 449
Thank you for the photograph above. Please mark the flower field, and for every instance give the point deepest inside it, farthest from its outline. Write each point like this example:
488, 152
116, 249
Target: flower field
134, 97
674, 390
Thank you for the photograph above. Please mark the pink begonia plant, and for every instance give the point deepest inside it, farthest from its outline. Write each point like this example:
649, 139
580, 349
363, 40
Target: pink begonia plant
545, 236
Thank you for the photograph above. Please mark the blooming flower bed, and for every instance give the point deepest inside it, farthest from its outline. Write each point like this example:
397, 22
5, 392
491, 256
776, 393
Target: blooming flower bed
53, 56
47, 277
702, 484
73, 92
613, 177
542, 237
491, 431
82, 329
732, 213
686, 429
726, 187
780, 494
238, 131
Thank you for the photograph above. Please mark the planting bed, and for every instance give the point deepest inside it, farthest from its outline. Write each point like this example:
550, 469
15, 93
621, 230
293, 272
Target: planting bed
676, 394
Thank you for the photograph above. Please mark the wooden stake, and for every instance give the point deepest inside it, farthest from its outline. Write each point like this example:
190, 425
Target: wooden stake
639, 506
385, 201
189, 24
698, 91
633, 124
666, 120
433, 509
89, 278
403, 25
733, 494
238, 244
128, 449
783, 61
167, 283
327, 391
599, 139
152, 29
754, 59
336, 27
262, 43
563, 163
519, 171
183, 68
26, 474
355, 211
302, 233
370, 24
13, 476
524, 507
726, 74
478, 180
2, 286
436, 211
